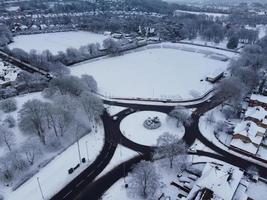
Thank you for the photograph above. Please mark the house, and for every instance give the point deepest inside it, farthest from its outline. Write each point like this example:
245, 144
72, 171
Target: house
217, 182
258, 100
247, 137
258, 115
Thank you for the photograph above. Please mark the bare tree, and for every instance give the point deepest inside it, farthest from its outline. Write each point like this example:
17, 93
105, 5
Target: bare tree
57, 118
6, 172
169, 146
92, 105
7, 137
32, 118
31, 150
144, 181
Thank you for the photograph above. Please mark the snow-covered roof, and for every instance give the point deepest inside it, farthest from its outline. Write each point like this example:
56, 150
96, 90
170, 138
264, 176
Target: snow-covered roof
222, 180
248, 147
250, 130
258, 113
260, 98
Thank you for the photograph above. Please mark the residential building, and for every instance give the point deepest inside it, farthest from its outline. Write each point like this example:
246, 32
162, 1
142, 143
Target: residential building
217, 182
258, 115
247, 137
258, 100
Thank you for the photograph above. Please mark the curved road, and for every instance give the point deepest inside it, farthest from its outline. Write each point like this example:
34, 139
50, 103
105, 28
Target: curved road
85, 188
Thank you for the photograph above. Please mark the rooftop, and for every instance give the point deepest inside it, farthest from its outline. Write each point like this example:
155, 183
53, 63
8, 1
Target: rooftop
222, 180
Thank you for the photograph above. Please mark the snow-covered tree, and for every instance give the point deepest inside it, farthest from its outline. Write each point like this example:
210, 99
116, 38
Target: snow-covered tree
91, 105
90, 82
67, 85
31, 150
32, 118
57, 118
9, 121
210, 119
8, 105
170, 147
231, 89
111, 45
182, 115
144, 181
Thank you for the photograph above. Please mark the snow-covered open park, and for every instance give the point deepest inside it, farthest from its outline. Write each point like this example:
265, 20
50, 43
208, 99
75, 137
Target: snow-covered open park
132, 127
153, 73
56, 41
50, 167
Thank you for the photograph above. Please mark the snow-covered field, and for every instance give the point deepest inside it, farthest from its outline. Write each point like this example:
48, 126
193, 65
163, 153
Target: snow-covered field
56, 41
153, 73
132, 127
177, 12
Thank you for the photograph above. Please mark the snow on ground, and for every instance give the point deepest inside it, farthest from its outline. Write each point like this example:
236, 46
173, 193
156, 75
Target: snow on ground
197, 145
167, 175
113, 110
118, 190
8, 72
54, 176
257, 191
56, 41
132, 127
140, 74
121, 155
262, 152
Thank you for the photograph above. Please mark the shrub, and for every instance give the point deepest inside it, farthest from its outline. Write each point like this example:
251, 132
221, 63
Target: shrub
10, 121
8, 105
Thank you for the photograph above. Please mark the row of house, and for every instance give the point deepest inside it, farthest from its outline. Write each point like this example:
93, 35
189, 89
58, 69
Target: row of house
249, 135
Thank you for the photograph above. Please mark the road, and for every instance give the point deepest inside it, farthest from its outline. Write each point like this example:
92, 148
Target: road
89, 174
98, 188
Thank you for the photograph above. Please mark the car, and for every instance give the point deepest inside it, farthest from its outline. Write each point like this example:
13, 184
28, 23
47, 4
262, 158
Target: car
192, 150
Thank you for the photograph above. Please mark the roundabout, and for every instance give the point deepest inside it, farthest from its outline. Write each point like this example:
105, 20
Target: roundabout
132, 127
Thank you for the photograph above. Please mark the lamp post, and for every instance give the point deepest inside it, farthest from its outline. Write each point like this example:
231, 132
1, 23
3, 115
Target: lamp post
78, 144
86, 145
40, 188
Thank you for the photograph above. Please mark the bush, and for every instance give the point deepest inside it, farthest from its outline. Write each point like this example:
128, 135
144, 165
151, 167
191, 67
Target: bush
10, 121
152, 124
8, 105
232, 43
